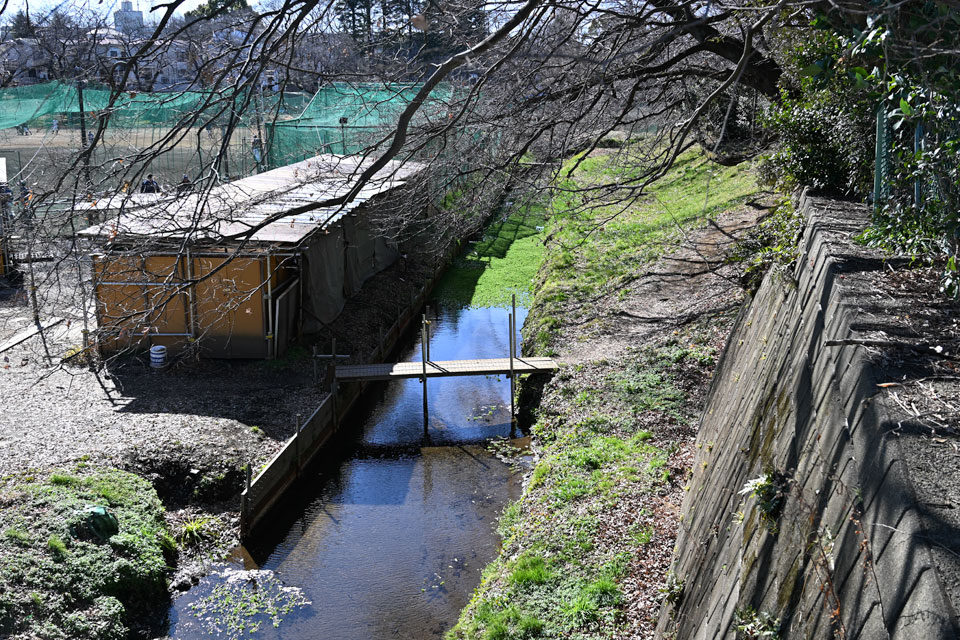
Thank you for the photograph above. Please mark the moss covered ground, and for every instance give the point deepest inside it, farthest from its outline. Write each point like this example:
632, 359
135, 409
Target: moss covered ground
61, 576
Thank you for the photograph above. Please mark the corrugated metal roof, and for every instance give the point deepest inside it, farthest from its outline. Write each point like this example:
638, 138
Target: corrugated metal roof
232, 210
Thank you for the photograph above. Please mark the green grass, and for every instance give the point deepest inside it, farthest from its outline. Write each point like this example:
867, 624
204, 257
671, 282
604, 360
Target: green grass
194, 532
502, 264
554, 567
597, 424
54, 583
598, 249
509, 623
529, 569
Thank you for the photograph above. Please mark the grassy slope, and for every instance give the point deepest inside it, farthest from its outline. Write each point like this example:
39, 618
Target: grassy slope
588, 523
55, 585
619, 250
504, 262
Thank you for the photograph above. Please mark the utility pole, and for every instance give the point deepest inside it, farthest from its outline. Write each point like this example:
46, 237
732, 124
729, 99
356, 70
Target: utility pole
424, 342
84, 150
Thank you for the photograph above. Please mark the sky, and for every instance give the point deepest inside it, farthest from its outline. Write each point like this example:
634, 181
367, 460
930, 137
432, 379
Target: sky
103, 7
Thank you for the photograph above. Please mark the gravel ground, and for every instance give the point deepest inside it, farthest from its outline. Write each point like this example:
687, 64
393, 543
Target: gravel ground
191, 428
198, 412
201, 412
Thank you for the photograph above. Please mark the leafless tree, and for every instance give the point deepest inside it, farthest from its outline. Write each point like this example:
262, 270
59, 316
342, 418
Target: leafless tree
495, 94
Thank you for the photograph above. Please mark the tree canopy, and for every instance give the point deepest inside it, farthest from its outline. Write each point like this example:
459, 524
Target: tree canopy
492, 96
21, 26
217, 7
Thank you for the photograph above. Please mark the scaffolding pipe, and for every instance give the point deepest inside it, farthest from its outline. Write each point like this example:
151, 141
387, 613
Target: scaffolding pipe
423, 353
271, 343
510, 321
191, 301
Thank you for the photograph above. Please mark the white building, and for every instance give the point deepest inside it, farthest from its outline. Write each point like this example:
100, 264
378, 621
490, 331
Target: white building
126, 19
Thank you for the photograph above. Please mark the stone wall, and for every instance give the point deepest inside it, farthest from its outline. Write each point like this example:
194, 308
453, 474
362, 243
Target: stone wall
843, 555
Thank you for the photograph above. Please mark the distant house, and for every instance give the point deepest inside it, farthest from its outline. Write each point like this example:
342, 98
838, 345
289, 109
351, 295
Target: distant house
24, 61
127, 20
229, 280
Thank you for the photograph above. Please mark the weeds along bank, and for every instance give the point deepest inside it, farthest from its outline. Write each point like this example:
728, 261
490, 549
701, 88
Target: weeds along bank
586, 549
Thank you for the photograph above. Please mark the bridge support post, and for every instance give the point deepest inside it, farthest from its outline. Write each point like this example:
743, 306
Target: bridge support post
510, 322
423, 352
296, 444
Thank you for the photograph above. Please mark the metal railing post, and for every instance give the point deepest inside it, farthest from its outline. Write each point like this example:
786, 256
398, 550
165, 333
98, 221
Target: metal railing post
423, 353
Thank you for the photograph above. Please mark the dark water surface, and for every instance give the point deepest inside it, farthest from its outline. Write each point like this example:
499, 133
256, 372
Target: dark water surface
392, 543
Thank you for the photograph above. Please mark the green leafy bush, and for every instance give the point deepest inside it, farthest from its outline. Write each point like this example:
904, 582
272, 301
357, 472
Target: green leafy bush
772, 244
853, 75
755, 625
770, 491
823, 121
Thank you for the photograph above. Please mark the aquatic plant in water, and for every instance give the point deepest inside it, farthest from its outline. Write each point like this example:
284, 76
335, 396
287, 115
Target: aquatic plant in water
240, 604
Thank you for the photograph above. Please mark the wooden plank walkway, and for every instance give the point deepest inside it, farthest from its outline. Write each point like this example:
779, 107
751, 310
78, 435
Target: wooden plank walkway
29, 332
444, 368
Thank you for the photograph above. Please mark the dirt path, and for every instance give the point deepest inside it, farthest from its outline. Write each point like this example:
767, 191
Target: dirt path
691, 292
614, 436
687, 284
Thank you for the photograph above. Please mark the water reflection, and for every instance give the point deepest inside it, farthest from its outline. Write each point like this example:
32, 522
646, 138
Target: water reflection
393, 542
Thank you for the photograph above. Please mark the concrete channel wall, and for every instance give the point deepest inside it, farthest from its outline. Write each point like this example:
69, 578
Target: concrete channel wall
284, 469
843, 554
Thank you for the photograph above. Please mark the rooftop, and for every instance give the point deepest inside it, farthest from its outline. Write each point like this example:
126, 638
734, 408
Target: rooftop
235, 210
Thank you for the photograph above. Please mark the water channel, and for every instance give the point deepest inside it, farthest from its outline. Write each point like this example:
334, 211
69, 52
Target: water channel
395, 533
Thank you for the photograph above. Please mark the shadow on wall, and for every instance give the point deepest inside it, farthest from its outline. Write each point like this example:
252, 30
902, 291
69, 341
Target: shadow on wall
852, 549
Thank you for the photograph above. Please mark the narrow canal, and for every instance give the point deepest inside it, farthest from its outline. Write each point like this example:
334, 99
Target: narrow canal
395, 534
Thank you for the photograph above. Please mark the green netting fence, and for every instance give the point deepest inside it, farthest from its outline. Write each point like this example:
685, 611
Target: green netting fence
347, 118
39, 123
270, 130
36, 105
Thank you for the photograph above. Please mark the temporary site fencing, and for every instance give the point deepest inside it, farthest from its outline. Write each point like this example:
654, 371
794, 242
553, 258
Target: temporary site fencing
347, 119
45, 126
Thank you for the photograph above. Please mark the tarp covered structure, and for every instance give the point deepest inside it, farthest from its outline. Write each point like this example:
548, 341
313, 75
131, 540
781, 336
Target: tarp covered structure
268, 276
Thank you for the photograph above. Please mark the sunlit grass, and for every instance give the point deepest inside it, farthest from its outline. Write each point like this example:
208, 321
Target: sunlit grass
599, 245
503, 263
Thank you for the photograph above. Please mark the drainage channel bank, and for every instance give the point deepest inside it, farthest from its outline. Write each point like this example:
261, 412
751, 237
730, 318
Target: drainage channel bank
488, 274
284, 469
638, 316
387, 530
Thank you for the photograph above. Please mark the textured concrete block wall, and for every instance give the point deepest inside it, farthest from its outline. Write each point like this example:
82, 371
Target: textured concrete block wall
843, 557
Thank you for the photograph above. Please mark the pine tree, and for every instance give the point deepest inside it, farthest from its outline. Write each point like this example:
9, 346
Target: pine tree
21, 26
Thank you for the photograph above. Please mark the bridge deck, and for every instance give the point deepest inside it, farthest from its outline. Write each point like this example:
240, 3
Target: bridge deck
444, 368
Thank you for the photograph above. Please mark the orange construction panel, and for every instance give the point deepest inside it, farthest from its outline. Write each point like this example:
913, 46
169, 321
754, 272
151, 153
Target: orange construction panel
228, 302
229, 306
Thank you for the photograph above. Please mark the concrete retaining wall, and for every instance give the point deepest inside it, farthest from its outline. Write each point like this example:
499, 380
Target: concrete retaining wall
844, 556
